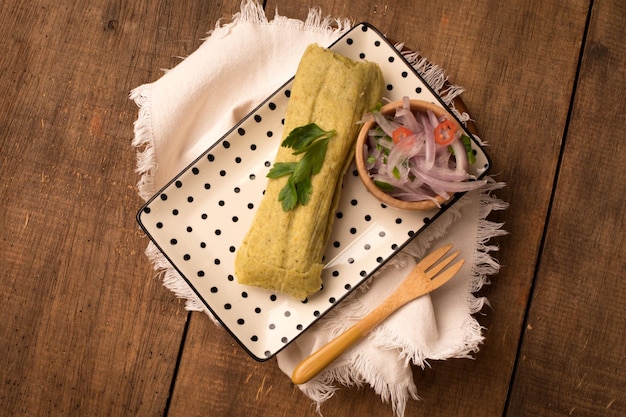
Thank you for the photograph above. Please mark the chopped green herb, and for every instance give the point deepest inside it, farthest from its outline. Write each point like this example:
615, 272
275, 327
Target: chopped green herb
386, 187
312, 142
471, 158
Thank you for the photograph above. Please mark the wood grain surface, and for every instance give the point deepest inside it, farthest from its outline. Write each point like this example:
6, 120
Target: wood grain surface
87, 329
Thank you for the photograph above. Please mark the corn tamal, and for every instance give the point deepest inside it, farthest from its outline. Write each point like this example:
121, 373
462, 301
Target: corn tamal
283, 250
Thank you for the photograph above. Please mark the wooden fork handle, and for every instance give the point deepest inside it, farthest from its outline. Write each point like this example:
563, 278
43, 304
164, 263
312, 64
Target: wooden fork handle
323, 357
317, 361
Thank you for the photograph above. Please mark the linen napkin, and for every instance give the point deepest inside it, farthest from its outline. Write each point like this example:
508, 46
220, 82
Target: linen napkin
195, 103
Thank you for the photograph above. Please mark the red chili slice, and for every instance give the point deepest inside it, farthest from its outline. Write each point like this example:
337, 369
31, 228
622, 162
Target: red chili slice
445, 132
400, 134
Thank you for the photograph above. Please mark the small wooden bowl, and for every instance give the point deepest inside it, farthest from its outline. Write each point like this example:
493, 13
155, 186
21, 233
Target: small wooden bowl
389, 109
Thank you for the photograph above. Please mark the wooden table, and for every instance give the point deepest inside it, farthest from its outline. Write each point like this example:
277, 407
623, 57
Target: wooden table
87, 331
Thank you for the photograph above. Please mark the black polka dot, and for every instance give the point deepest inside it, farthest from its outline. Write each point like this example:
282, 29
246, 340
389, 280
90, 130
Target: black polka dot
241, 131
163, 196
189, 229
227, 306
353, 230
202, 245
336, 244
398, 220
272, 326
235, 219
284, 339
195, 170
299, 327
347, 286
418, 90
204, 216
273, 297
254, 338
238, 160
244, 294
257, 310
214, 290
272, 106
190, 199
391, 59
287, 313
207, 186
222, 173
175, 212
335, 273
173, 241
316, 313
405, 74
218, 232
178, 184
217, 261
349, 41
257, 118
367, 217
186, 257
159, 225
241, 321
201, 273
389, 87
226, 144
362, 55
210, 157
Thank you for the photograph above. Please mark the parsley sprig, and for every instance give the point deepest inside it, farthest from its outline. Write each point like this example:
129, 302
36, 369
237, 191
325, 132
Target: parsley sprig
310, 141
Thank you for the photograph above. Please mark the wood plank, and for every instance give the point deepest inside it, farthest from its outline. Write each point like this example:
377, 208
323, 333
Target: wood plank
518, 67
85, 328
572, 361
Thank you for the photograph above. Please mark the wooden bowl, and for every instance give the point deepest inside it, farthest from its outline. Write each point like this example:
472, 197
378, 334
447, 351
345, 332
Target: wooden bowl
389, 110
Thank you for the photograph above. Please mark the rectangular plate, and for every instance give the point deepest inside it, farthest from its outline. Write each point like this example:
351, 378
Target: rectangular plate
199, 219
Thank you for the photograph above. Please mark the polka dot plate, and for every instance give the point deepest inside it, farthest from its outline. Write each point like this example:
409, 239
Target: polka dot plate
200, 218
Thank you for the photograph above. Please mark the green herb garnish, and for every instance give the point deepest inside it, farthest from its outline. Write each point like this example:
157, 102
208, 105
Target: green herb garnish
385, 186
312, 142
467, 142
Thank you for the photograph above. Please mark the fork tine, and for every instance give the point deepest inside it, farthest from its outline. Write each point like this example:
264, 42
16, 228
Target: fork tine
440, 266
433, 257
439, 280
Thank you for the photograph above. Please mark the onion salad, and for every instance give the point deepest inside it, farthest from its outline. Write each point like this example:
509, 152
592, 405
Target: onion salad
417, 156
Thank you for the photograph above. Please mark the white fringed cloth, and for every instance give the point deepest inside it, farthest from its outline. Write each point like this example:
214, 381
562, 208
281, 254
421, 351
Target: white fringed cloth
194, 104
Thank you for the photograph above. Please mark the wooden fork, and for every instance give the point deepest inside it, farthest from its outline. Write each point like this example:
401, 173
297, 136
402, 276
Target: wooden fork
425, 277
